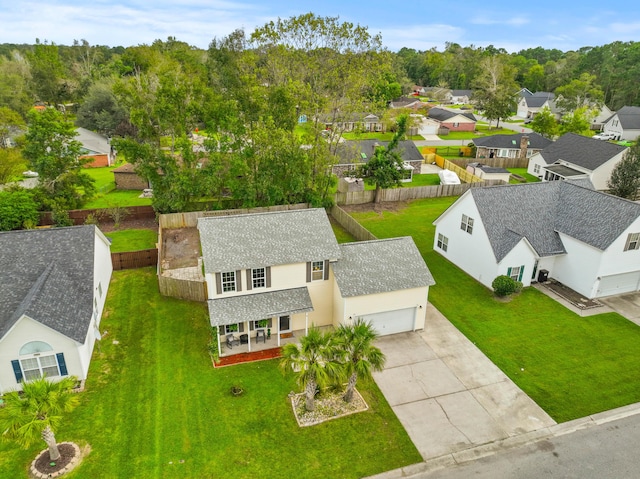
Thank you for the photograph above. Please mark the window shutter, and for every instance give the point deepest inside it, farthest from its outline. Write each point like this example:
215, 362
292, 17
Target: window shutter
241, 327
249, 280
268, 275
16, 370
62, 364
308, 271
238, 280
626, 246
251, 325
509, 272
218, 283
269, 323
521, 272
326, 269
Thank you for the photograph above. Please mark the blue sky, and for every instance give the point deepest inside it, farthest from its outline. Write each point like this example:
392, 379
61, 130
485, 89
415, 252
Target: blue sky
421, 25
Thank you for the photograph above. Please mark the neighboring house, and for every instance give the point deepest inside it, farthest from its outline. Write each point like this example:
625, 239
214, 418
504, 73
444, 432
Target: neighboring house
519, 145
406, 102
624, 124
575, 156
287, 270
487, 172
95, 147
357, 121
354, 153
453, 120
53, 286
585, 239
530, 105
459, 97
126, 178
524, 92
604, 113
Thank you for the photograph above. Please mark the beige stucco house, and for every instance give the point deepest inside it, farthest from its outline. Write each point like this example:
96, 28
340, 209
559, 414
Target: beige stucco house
284, 272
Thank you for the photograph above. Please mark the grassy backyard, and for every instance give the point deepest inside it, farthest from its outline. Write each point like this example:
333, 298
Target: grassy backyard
154, 407
106, 194
132, 240
571, 366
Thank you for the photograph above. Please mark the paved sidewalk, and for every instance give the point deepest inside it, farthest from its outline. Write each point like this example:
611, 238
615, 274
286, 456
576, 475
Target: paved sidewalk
448, 395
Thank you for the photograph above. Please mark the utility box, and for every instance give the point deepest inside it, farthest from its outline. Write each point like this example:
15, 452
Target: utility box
543, 275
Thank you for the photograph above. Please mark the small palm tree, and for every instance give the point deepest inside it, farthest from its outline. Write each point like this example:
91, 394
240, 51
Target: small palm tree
361, 356
314, 360
36, 412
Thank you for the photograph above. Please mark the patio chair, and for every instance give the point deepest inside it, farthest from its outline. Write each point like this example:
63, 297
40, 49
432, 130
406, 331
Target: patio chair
260, 334
244, 339
231, 340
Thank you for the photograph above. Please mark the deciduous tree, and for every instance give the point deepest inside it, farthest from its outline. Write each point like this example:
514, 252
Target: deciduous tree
625, 177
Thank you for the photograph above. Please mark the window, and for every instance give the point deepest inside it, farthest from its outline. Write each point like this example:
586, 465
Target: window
34, 368
228, 281
456, 124
536, 168
443, 242
317, 270
466, 224
515, 272
633, 242
233, 328
258, 278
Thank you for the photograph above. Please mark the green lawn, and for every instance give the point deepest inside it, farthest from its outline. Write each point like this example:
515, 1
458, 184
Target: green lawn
132, 240
423, 180
154, 407
523, 172
571, 366
103, 178
481, 130
117, 198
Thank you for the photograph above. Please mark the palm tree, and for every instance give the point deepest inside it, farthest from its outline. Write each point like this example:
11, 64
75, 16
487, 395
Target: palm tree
314, 360
362, 357
36, 412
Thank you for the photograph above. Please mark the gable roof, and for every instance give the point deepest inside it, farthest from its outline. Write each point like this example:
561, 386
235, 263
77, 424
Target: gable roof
461, 93
258, 240
47, 275
536, 141
581, 150
441, 114
540, 211
538, 99
356, 151
380, 266
629, 117
93, 142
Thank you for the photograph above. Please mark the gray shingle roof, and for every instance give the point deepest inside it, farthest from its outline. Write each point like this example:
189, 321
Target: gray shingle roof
266, 239
564, 171
351, 151
536, 141
629, 117
581, 151
47, 275
538, 211
380, 266
444, 115
253, 307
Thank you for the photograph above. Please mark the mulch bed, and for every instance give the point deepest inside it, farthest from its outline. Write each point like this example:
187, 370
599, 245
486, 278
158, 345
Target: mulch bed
572, 296
248, 357
43, 464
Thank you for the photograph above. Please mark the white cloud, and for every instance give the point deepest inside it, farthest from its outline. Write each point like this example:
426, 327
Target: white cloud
419, 37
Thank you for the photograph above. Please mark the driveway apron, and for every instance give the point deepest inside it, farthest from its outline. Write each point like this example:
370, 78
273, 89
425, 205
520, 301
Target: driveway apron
448, 395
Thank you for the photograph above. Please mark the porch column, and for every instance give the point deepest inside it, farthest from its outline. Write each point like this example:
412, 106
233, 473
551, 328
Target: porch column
306, 323
218, 339
278, 329
248, 336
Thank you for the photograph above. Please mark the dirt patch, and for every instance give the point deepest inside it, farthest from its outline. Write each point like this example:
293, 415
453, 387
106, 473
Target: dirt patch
180, 248
376, 207
572, 296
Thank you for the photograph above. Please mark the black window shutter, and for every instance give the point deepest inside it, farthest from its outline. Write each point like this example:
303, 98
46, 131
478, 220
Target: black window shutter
521, 272
62, 364
267, 273
218, 283
241, 327
249, 280
17, 370
308, 271
326, 269
269, 323
238, 280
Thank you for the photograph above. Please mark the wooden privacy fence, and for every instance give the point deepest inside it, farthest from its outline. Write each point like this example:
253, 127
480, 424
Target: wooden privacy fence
463, 174
134, 259
496, 162
190, 220
182, 288
356, 230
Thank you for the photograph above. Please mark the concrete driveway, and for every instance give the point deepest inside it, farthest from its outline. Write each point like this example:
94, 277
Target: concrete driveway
627, 305
448, 395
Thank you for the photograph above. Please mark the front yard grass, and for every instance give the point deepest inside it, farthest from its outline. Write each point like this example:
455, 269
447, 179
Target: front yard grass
481, 130
570, 365
132, 240
154, 407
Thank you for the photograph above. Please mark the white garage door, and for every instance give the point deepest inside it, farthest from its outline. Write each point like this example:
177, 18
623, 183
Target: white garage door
391, 322
619, 283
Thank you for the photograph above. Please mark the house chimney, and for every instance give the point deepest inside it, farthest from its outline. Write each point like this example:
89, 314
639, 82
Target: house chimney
524, 145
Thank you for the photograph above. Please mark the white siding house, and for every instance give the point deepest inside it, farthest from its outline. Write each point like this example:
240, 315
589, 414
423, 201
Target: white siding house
585, 239
624, 124
53, 287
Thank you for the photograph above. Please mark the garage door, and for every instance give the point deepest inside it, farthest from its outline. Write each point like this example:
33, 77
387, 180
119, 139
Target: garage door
391, 322
619, 283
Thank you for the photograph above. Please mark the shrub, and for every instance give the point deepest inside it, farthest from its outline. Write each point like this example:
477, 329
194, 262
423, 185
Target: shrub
17, 209
503, 285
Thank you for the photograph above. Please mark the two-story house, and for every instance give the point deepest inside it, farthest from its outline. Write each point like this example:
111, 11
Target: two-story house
285, 271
